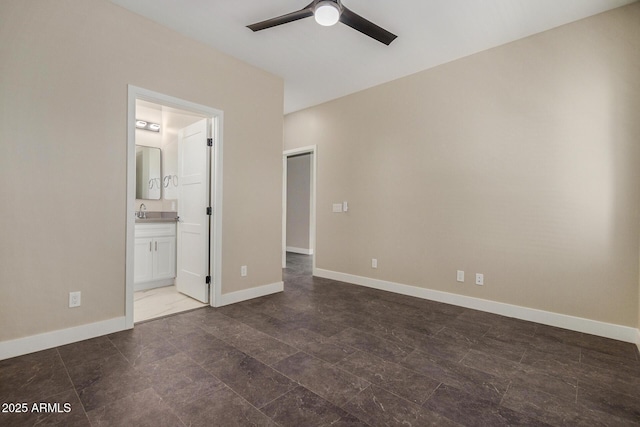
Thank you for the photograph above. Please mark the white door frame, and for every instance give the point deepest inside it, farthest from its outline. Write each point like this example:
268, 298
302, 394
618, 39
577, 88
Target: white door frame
313, 150
215, 257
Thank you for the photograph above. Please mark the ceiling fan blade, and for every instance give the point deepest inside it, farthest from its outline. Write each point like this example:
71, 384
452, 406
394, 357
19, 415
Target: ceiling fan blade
357, 22
289, 17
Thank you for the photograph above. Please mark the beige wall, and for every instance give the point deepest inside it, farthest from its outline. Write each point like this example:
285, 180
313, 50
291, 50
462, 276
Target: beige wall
298, 201
521, 162
64, 70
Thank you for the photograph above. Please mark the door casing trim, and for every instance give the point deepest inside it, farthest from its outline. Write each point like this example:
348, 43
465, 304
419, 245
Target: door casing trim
138, 93
313, 150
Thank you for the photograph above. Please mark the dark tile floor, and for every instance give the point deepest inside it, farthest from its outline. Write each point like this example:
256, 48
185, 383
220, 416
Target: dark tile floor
329, 353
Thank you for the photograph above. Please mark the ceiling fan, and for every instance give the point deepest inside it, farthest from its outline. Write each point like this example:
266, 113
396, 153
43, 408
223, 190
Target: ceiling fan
329, 12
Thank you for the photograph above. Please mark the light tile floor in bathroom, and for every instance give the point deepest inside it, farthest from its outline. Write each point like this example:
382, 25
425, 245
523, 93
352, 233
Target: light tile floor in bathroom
159, 302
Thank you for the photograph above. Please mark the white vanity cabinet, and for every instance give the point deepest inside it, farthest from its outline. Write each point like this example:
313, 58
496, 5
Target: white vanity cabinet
154, 255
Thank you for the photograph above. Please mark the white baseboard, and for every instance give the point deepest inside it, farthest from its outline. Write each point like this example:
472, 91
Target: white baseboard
33, 343
302, 251
579, 324
638, 339
247, 294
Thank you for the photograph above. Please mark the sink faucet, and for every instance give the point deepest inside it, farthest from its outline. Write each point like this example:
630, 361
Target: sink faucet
142, 213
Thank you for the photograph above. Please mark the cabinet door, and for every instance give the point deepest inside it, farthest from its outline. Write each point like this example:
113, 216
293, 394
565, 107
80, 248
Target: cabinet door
164, 262
143, 260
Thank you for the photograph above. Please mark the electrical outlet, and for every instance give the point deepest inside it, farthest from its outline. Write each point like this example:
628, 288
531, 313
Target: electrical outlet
460, 276
479, 279
374, 263
243, 271
74, 299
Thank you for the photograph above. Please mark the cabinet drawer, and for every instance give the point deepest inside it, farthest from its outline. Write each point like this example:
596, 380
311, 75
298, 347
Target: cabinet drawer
155, 230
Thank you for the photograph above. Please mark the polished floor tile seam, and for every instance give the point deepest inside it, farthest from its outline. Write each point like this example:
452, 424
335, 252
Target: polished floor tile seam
184, 422
124, 356
355, 395
463, 357
310, 300
390, 391
262, 407
75, 390
230, 387
522, 357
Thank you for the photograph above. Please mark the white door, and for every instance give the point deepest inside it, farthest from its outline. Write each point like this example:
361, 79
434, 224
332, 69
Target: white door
193, 200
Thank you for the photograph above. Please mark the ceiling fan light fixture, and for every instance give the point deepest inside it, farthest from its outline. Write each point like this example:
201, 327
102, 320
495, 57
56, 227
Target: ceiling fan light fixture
327, 13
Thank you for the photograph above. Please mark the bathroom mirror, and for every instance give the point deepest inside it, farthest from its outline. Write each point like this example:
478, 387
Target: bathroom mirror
148, 182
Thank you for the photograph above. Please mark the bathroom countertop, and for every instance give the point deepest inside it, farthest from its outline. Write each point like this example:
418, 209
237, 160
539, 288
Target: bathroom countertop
154, 217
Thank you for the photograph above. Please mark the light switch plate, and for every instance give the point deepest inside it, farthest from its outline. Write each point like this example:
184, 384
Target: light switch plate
337, 207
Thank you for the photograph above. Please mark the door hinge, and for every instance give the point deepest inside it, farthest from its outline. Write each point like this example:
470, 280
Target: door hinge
209, 142
207, 280
209, 211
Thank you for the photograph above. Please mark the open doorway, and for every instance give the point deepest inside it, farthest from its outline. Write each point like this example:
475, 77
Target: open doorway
299, 206
163, 135
173, 232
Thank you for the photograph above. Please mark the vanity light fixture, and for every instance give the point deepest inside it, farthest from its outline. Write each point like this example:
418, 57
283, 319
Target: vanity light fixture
143, 125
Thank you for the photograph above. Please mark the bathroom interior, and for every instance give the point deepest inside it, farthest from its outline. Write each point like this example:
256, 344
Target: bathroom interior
157, 208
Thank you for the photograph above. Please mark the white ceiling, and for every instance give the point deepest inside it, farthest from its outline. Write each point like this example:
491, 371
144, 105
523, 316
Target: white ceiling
323, 63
